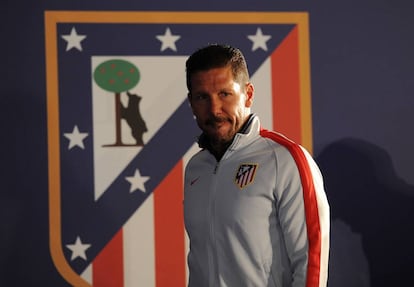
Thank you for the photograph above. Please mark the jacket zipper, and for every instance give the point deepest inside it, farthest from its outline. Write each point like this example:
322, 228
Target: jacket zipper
216, 168
213, 256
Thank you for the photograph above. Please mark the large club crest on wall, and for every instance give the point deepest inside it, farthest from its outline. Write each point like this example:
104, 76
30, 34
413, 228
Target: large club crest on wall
116, 164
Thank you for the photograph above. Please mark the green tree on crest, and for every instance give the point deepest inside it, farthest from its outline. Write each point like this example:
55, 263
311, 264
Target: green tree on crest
118, 76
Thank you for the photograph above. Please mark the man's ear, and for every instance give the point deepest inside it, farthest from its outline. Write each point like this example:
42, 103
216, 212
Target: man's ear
189, 101
249, 95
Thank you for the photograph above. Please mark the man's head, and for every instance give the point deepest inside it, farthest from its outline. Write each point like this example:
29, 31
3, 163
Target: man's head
220, 93
217, 56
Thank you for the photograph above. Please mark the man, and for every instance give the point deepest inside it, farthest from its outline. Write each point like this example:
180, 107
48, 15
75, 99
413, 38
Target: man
254, 205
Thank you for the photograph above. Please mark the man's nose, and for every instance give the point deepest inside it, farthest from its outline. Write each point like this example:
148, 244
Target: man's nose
215, 105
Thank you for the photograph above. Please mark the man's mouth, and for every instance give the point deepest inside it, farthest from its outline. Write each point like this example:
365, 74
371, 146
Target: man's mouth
216, 122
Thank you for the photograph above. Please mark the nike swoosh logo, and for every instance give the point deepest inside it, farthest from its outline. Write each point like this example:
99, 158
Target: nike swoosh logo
194, 180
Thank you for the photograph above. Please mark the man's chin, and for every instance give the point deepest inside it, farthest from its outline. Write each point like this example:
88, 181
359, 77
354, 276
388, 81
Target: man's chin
219, 137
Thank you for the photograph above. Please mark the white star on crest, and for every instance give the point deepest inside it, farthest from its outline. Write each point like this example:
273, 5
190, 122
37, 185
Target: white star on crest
168, 40
259, 40
137, 181
76, 138
78, 249
73, 40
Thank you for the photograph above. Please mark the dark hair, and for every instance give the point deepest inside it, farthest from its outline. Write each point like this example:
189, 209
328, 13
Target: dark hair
217, 56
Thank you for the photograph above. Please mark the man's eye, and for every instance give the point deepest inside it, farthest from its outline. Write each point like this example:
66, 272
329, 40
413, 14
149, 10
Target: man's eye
199, 97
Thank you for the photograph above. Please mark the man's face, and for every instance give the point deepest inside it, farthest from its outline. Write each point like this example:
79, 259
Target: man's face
220, 105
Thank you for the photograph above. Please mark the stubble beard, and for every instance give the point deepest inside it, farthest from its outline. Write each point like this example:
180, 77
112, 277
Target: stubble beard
220, 142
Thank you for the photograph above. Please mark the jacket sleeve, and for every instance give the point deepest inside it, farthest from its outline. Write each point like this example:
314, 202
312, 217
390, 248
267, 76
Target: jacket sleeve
303, 213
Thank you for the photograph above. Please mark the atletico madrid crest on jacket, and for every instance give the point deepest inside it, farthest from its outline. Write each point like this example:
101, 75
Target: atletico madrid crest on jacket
245, 174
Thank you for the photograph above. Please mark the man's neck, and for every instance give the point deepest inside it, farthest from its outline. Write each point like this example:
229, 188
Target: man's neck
219, 149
